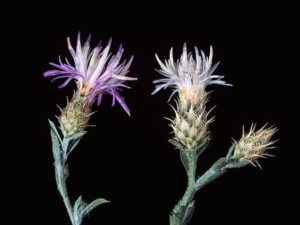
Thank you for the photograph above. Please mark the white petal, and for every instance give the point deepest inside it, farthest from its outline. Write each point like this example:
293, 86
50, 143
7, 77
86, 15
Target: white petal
101, 63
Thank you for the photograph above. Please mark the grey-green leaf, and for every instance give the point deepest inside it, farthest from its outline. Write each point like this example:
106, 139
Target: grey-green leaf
56, 147
89, 207
230, 152
53, 127
73, 141
184, 160
201, 148
79, 205
76, 136
189, 213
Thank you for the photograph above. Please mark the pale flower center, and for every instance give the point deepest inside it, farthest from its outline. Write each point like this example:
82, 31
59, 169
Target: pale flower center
191, 94
85, 89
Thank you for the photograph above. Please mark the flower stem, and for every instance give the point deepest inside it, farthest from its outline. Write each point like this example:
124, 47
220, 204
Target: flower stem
61, 149
182, 212
216, 170
62, 188
61, 184
61, 174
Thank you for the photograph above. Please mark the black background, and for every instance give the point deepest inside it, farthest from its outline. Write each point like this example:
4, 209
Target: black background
128, 160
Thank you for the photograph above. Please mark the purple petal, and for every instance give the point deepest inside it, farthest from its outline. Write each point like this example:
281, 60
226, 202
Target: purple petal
65, 83
61, 77
67, 61
113, 93
99, 99
122, 103
71, 49
118, 85
78, 37
62, 66
99, 45
88, 40
94, 90
106, 75
120, 52
51, 73
109, 42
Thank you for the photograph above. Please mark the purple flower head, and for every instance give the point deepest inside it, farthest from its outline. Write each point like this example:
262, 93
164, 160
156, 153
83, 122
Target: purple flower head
96, 71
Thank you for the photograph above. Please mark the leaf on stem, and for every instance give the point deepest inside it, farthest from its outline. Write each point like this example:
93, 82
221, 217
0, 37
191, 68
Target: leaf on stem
89, 207
230, 152
53, 127
188, 213
81, 208
184, 160
71, 142
56, 146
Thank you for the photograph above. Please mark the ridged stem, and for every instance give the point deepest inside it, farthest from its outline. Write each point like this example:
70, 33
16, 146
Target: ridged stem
183, 211
215, 171
179, 215
61, 175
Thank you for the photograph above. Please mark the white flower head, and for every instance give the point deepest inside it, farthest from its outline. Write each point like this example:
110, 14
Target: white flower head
188, 72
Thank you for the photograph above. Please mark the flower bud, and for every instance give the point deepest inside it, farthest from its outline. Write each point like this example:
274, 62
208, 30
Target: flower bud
254, 144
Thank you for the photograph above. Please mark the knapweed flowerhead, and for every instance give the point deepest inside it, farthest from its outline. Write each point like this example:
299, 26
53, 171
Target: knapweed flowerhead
190, 125
96, 71
254, 144
188, 72
189, 76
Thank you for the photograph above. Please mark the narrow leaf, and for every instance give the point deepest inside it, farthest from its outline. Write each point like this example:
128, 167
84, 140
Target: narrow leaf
230, 152
77, 210
201, 148
53, 127
184, 160
88, 208
56, 147
73, 141
189, 213
75, 136
79, 205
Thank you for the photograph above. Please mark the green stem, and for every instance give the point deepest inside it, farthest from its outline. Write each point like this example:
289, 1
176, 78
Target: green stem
181, 213
61, 148
61, 174
216, 170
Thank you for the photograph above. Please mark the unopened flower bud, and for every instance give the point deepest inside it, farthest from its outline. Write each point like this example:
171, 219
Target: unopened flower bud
254, 144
